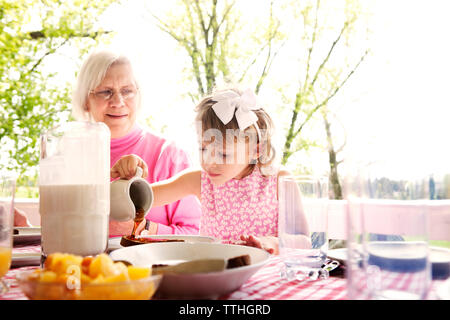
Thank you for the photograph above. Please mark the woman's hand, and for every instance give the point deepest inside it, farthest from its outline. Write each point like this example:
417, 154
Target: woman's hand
20, 219
270, 244
126, 166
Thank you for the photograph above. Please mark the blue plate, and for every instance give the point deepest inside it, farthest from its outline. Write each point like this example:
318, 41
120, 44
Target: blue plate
398, 256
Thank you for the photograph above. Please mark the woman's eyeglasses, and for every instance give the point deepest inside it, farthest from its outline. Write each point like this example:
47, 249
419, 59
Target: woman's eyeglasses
126, 94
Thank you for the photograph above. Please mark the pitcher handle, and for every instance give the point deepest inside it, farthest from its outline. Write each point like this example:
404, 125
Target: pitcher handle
139, 172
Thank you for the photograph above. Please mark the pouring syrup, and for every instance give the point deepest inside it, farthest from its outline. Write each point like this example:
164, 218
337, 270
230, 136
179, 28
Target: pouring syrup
137, 220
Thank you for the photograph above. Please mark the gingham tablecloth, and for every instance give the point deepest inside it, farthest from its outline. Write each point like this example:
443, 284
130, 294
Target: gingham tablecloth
14, 292
265, 284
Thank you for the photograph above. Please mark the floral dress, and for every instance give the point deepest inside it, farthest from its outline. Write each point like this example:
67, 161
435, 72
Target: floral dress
245, 206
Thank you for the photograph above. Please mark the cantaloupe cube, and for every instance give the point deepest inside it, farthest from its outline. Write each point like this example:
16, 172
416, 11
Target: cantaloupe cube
117, 278
138, 272
85, 264
48, 276
85, 278
99, 265
121, 268
60, 262
99, 279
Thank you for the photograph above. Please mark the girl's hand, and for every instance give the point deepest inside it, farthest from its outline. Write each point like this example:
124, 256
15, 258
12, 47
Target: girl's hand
123, 228
270, 244
125, 167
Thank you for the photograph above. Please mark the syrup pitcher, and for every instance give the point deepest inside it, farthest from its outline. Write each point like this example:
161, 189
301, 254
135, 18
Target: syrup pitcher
128, 197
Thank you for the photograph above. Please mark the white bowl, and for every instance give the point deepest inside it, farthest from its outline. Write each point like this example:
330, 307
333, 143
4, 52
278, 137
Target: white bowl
198, 285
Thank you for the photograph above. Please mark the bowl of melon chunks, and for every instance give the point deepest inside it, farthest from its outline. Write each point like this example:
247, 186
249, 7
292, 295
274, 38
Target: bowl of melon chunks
71, 277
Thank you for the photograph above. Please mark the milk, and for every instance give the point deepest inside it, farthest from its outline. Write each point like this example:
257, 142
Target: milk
74, 218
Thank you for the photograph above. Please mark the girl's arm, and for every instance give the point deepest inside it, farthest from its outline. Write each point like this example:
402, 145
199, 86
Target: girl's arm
185, 183
119, 228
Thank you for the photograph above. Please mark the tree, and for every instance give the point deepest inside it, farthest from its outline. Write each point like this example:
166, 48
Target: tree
210, 31
321, 77
321, 80
32, 97
336, 188
217, 40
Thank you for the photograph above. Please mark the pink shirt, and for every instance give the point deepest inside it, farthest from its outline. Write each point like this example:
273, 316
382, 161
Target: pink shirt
164, 159
245, 206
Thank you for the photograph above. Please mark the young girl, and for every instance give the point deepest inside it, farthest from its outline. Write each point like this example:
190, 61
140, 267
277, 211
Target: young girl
237, 186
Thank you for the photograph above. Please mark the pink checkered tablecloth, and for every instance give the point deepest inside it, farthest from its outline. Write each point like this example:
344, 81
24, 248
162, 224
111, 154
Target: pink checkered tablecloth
14, 292
265, 284
36, 248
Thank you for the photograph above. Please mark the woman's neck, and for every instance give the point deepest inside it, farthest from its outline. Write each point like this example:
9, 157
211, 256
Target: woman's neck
126, 140
120, 132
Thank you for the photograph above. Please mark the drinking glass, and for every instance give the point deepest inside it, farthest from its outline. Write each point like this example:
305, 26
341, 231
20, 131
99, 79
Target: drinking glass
387, 225
302, 226
7, 188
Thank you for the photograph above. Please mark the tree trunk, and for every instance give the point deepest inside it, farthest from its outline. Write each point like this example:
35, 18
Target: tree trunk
291, 136
334, 177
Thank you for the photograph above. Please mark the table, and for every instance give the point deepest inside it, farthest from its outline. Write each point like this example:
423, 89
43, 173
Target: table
265, 284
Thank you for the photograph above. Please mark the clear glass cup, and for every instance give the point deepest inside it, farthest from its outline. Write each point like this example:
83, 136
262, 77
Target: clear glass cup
387, 225
302, 226
7, 188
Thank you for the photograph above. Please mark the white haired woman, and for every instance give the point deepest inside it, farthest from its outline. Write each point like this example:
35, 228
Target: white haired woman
107, 91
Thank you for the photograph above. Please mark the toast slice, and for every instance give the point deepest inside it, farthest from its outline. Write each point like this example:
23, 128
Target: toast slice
239, 261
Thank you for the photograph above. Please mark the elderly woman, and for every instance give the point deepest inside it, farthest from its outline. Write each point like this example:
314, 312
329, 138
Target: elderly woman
107, 91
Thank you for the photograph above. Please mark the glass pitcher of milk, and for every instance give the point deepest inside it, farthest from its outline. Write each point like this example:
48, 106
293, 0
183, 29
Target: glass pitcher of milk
74, 192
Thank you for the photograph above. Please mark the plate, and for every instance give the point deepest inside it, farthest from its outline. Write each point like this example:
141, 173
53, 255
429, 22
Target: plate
21, 259
114, 243
199, 285
27, 235
439, 257
338, 254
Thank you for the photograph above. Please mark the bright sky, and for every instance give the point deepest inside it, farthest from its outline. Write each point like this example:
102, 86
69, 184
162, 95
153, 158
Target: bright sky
405, 113
395, 108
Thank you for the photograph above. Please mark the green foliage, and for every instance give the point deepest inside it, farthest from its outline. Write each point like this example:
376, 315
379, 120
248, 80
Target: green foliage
226, 44
219, 44
443, 188
329, 40
32, 98
27, 186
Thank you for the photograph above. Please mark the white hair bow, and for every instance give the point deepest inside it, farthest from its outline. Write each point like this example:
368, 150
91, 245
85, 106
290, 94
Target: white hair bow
230, 103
